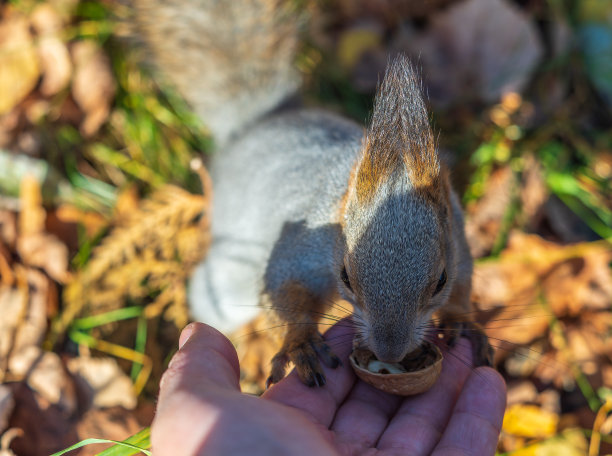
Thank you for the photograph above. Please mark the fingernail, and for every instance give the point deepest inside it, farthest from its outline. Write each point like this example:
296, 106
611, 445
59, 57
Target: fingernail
186, 334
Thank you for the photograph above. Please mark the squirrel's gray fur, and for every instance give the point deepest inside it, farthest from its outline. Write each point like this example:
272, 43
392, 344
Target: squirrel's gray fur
231, 60
263, 187
301, 195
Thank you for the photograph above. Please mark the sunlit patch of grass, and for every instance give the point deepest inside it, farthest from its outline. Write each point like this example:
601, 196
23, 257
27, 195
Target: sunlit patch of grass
149, 138
152, 135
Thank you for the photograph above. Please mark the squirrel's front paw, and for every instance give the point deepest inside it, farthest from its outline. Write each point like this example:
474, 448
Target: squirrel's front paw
304, 353
482, 352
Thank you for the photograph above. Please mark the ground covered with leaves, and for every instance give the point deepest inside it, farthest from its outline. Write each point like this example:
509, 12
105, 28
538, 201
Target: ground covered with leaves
104, 204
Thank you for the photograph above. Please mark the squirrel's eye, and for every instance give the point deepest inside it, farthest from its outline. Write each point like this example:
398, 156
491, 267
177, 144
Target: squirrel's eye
441, 282
345, 279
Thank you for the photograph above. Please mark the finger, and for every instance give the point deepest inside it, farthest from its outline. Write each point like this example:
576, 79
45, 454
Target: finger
205, 365
320, 404
363, 417
206, 357
476, 421
419, 422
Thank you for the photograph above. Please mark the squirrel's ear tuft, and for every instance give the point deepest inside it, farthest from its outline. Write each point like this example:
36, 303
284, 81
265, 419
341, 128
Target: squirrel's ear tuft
399, 134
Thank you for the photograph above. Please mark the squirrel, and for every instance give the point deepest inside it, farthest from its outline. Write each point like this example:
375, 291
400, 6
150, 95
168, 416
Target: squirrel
307, 208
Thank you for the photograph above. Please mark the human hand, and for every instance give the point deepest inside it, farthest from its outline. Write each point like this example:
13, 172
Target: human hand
202, 411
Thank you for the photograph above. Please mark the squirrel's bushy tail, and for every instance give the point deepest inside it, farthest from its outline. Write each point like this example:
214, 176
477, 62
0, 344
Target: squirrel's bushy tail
230, 59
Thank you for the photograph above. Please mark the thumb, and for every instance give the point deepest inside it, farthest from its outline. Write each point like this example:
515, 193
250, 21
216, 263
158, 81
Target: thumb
205, 365
205, 358
206, 361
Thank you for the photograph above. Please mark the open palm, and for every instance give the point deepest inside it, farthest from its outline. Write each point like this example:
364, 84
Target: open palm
202, 411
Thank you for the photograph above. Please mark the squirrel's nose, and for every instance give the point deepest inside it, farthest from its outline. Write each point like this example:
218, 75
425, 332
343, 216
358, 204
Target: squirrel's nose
390, 350
389, 356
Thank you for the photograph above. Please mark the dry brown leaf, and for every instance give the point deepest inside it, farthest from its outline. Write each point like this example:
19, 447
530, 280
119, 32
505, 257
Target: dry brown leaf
93, 84
22, 330
521, 392
37, 289
103, 382
585, 347
511, 315
573, 278
523, 361
541, 255
550, 400
525, 392
46, 252
509, 291
19, 71
35, 247
44, 373
489, 46
577, 284
553, 368
52, 52
56, 66
45, 20
13, 305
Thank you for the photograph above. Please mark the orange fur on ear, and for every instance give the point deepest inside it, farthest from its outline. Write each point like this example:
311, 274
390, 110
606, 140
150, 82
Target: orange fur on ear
372, 172
399, 138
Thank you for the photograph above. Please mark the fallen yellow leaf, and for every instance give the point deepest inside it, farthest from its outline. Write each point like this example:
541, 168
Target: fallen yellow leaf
530, 421
571, 442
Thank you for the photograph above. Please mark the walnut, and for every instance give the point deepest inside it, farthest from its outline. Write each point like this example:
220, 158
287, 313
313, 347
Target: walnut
415, 374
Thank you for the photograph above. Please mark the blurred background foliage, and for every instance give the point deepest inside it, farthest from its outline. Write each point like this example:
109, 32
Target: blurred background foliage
96, 155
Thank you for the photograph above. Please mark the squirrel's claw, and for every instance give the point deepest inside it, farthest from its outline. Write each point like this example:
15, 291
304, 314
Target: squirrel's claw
279, 363
305, 356
482, 352
326, 354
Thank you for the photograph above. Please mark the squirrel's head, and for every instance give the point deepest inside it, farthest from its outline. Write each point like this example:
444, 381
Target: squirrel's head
398, 265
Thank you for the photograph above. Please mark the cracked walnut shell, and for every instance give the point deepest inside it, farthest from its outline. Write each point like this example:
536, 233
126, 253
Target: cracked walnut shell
415, 374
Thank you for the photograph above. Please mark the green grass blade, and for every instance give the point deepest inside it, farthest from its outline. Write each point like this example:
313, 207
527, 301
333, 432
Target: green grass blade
132, 445
138, 442
139, 346
107, 317
129, 166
